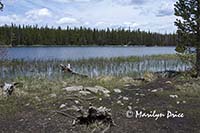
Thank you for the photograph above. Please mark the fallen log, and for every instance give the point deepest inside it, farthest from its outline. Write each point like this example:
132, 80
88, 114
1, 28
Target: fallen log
8, 88
92, 115
68, 69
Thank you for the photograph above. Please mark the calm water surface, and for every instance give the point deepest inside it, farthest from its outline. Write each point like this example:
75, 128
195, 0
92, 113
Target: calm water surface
65, 53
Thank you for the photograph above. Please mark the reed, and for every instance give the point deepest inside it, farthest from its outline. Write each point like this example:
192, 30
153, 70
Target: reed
118, 66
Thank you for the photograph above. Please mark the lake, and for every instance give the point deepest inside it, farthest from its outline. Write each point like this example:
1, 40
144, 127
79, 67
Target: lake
45, 61
65, 53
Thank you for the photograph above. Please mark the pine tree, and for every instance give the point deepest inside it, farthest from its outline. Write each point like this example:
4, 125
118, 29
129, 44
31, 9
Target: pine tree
188, 27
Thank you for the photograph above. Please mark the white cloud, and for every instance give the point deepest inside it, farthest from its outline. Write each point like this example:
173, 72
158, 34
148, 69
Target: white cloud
154, 15
38, 13
130, 24
8, 19
68, 1
67, 20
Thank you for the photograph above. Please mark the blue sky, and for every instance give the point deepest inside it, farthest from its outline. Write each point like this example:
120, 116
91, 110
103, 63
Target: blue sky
153, 15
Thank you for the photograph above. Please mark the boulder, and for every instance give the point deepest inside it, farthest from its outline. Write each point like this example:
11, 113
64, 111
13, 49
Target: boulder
73, 88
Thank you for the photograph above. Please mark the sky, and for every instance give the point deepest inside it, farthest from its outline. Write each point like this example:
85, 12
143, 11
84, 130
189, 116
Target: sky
149, 15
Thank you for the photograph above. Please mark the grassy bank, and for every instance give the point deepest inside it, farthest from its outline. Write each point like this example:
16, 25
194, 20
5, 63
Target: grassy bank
35, 99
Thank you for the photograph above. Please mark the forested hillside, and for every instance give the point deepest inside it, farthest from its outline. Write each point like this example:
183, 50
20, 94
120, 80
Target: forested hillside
16, 35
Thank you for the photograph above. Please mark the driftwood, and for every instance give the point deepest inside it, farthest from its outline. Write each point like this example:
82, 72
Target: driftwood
168, 73
92, 115
8, 88
68, 69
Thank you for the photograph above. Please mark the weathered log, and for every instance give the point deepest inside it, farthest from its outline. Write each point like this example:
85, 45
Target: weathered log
92, 115
8, 88
68, 69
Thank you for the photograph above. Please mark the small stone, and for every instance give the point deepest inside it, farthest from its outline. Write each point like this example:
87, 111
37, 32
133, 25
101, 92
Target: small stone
76, 101
62, 105
173, 96
73, 88
137, 101
136, 94
129, 108
27, 104
100, 99
37, 98
120, 97
125, 98
53, 95
177, 102
155, 90
120, 102
142, 95
184, 102
117, 90
168, 82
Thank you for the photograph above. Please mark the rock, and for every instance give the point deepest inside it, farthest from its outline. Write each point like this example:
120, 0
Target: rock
74, 88
120, 102
142, 95
37, 98
84, 92
168, 82
184, 102
27, 104
154, 90
97, 89
173, 96
177, 102
102, 89
107, 95
76, 101
62, 106
137, 101
100, 99
53, 95
120, 97
125, 98
129, 108
117, 90
91, 89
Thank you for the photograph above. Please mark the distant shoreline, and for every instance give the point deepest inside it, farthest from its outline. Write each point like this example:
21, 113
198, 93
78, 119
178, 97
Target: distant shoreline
19, 46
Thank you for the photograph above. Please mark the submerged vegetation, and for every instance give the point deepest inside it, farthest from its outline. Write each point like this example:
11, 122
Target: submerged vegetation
117, 66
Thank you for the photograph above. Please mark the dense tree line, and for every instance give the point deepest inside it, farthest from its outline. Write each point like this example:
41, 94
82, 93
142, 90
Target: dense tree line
33, 35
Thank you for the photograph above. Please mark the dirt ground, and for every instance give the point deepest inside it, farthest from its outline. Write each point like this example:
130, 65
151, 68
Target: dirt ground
148, 97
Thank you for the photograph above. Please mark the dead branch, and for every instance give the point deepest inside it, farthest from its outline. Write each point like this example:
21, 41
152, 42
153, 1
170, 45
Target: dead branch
68, 69
92, 115
65, 114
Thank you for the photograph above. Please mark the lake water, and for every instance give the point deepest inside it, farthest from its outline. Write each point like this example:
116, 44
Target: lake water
45, 61
65, 53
